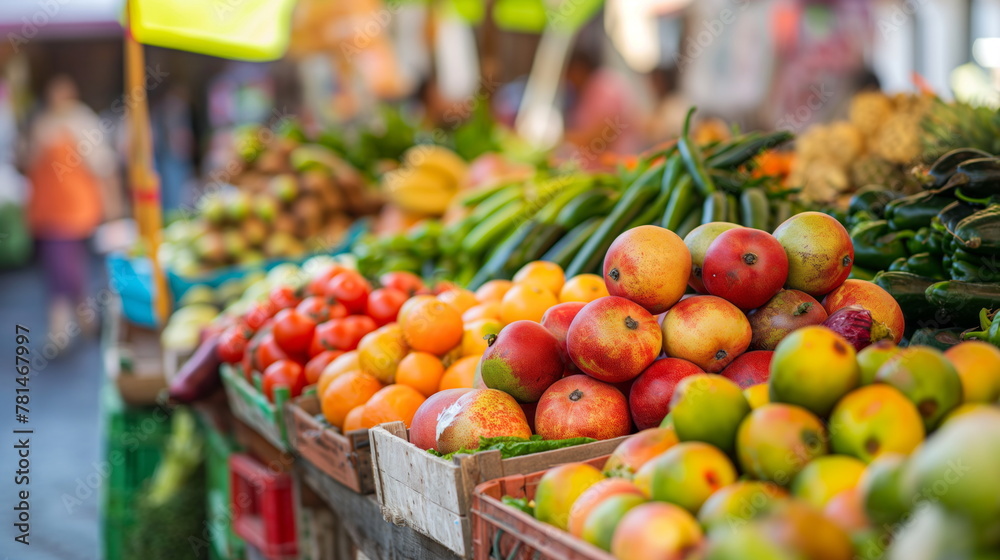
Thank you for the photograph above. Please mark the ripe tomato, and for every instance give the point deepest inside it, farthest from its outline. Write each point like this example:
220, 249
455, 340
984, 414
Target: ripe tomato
317, 284
351, 290
258, 314
293, 331
316, 308
341, 334
384, 304
283, 373
337, 310
315, 366
284, 296
266, 353
406, 282
232, 344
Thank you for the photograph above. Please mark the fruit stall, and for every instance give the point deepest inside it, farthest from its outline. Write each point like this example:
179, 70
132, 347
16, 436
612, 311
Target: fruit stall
735, 344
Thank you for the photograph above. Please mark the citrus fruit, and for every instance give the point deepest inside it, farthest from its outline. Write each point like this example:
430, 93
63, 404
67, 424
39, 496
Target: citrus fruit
526, 302
460, 374
583, 287
431, 326
493, 290
545, 274
422, 371
347, 391
390, 404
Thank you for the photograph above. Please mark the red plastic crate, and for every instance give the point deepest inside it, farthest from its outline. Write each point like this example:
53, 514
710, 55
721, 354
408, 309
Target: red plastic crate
263, 507
504, 533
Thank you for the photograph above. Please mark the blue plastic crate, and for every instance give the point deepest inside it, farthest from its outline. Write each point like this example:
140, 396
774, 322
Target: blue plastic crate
132, 277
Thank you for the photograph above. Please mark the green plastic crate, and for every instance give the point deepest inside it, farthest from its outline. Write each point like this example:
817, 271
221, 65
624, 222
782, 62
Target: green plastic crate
133, 446
226, 544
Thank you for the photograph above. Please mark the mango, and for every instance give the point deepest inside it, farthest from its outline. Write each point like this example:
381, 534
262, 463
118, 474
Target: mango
776, 441
927, 378
813, 367
686, 475
709, 408
874, 420
825, 477
559, 488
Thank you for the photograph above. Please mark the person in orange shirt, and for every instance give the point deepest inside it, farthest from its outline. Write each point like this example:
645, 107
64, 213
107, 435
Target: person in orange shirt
68, 167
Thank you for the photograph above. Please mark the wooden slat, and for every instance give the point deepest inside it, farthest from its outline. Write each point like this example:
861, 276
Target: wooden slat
362, 519
414, 508
345, 458
415, 468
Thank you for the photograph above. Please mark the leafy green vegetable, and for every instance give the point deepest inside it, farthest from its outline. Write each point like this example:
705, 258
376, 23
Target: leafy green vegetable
515, 446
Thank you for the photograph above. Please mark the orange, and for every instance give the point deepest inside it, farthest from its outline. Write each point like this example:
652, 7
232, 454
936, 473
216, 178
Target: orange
543, 273
493, 290
431, 326
422, 371
474, 337
583, 287
411, 304
345, 362
460, 374
526, 301
460, 298
380, 352
392, 403
347, 391
488, 310
353, 420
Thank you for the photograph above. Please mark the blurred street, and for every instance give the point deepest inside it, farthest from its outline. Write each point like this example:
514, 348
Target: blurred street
64, 414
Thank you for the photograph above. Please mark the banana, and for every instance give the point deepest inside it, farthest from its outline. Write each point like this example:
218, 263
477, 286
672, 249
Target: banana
421, 190
439, 159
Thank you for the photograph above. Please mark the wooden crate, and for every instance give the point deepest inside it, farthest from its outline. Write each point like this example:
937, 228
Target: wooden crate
251, 406
132, 358
503, 532
346, 458
433, 496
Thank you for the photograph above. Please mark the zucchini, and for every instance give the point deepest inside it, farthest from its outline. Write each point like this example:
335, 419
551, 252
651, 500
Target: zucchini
983, 177
946, 165
494, 265
595, 202
962, 301
492, 229
732, 209
640, 193
980, 232
540, 242
692, 221
755, 210
781, 211
941, 339
683, 200
565, 249
909, 290
668, 182
714, 208
871, 200
744, 151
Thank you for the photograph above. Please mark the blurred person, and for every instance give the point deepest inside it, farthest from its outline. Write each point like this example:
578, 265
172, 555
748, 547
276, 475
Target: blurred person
69, 166
670, 106
602, 110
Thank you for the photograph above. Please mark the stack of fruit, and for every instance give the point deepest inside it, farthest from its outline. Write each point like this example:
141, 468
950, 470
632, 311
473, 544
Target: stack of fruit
571, 218
884, 453
873, 147
289, 199
937, 248
597, 369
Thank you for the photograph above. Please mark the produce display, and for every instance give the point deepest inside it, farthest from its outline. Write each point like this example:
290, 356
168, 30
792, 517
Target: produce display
283, 200
935, 251
571, 218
